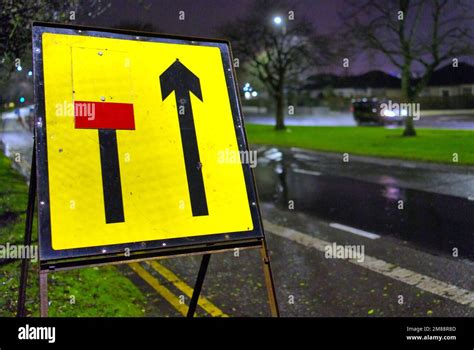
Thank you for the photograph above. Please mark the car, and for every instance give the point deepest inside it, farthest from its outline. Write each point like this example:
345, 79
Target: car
371, 112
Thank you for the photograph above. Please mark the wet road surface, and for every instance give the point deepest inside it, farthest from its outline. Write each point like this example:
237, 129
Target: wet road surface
433, 221
16, 142
409, 267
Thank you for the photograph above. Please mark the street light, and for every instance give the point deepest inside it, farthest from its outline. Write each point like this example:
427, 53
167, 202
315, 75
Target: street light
278, 21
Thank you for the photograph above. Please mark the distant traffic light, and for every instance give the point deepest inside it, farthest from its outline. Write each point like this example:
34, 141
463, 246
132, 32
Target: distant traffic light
22, 99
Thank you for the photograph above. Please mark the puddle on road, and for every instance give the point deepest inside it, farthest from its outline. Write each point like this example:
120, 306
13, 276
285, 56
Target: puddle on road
430, 221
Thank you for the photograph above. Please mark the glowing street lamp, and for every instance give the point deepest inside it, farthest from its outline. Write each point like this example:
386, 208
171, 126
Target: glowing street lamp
278, 21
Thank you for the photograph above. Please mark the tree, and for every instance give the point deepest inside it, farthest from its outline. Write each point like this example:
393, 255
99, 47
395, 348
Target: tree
411, 34
16, 17
275, 44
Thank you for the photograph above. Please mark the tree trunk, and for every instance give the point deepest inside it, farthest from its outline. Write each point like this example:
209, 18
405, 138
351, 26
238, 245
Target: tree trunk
409, 127
408, 97
280, 111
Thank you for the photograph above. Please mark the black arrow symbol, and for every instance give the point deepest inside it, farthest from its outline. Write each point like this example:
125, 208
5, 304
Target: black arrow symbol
181, 80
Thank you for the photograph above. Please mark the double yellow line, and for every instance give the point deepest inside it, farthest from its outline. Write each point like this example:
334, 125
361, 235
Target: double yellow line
168, 295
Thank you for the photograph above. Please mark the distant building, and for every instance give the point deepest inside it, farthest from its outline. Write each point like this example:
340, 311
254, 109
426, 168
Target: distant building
446, 81
370, 84
451, 81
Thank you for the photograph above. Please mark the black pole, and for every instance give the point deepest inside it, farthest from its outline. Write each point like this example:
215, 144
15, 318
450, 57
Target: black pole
21, 310
198, 285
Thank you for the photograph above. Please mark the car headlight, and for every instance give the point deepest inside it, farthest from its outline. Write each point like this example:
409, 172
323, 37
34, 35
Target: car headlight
387, 113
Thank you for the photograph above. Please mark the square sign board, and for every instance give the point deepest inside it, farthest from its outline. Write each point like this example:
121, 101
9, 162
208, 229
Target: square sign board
138, 138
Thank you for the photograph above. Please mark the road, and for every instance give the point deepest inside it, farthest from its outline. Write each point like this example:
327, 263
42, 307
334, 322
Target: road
416, 261
464, 121
408, 270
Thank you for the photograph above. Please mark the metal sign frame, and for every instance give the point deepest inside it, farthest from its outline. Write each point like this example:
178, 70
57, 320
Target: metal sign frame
50, 258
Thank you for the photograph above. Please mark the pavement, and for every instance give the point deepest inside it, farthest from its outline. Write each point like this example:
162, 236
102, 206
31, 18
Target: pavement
340, 240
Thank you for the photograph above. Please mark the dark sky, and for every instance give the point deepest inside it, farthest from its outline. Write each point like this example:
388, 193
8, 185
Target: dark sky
204, 17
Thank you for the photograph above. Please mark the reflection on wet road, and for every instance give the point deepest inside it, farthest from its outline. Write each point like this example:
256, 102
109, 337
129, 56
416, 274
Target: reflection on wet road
436, 222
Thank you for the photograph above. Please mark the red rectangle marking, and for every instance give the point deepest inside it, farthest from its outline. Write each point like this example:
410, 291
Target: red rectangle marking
103, 115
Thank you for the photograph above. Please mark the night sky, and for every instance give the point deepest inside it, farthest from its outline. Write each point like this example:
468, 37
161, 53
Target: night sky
204, 17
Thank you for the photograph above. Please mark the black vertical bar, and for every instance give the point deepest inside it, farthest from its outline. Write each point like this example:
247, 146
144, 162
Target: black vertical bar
111, 182
198, 285
192, 160
21, 310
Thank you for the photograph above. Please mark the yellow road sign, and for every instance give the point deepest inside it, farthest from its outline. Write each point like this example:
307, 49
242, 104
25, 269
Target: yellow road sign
130, 136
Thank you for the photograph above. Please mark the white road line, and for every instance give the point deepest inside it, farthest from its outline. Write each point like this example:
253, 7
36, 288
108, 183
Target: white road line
355, 231
303, 156
428, 284
307, 172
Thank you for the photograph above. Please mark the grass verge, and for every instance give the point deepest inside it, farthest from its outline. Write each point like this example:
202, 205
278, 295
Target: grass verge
85, 292
430, 145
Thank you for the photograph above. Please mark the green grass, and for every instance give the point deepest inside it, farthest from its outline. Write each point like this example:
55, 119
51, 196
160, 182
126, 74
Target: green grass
431, 145
96, 291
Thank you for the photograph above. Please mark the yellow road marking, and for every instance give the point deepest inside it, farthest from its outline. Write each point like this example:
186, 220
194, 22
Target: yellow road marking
163, 291
203, 302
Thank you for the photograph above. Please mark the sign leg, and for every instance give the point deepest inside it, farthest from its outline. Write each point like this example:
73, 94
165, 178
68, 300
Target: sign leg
267, 271
21, 310
198, 285
43, 285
